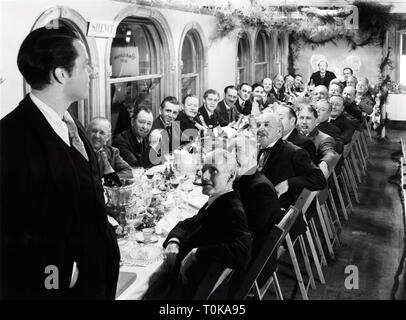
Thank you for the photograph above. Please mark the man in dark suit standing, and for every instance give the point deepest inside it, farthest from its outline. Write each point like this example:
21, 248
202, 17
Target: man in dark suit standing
227, 111
258, 195
287, 166
338, 119
133, 143
208, 113
323, 76
217, 233
288, 117
56, 242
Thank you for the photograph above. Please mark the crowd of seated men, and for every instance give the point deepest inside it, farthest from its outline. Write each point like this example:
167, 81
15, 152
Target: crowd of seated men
294, 133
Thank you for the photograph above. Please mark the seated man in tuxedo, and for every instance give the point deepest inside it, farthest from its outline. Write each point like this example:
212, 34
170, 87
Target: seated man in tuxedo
227, 111
354, 113
338, 119
258, 195
298, 84
307, 123
168, 129
288, 118
347, 72
323, 76
208, 114
323, 108
133, 143
278, 89
320, 92
108, 157
243, 102
217, 233
189, 122
287, 166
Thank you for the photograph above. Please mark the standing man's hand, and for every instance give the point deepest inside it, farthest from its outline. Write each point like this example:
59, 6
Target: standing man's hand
282, 188
171, 253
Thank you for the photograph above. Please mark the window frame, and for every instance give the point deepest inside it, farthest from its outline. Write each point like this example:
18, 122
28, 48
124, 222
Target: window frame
243, 38
266, 39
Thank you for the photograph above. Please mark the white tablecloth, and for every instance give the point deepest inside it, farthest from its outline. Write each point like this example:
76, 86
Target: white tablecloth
396, 107
137, 288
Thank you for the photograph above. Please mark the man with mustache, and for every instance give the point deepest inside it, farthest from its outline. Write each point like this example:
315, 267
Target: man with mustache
108, 157
287, 166
307, 123
217, 233
133, 143
243, 103
226, 108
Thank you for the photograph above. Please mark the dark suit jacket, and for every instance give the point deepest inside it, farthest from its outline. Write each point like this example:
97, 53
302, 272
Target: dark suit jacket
135, 153
366, 103
303, 142
165, 144
213, 121
288, 162
280, 96
244, 110
354, 111
121, 167
42, 222
261, 205
317, 80
120, 118
335, 132
224, 118
346, 127
324, 147
187, 127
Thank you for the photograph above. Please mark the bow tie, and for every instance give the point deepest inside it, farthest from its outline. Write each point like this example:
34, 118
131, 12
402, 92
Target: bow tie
264, 150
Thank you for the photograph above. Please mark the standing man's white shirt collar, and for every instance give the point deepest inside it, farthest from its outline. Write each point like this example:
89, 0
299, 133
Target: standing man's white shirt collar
53, 119
208, 111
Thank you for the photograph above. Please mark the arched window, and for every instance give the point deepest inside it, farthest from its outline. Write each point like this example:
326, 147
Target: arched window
136, 67
281, 53
261, 56
191, 65
243, 59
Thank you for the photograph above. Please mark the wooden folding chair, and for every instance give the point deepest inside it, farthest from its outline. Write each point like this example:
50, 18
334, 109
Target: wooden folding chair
243, 283
215, 276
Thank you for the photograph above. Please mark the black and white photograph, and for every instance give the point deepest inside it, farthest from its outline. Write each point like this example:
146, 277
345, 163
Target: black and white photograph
184, 152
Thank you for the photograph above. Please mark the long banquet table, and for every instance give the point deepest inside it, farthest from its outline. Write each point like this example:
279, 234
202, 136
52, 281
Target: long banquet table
133, 279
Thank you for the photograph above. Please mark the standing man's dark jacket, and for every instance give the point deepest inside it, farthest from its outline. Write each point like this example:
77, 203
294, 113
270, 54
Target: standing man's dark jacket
134, 152
261, 205
285, 161
52, 214
318, 80
225, 115
303, 142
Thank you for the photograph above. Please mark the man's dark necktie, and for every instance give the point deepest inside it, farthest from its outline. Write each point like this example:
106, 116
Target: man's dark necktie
169, 131
262, 157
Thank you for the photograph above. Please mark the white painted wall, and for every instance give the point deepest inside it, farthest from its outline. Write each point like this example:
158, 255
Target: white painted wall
17, 17
339, 56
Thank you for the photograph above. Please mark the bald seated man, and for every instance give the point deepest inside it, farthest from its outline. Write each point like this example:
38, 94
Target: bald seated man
320, 92
287, 166
99, 132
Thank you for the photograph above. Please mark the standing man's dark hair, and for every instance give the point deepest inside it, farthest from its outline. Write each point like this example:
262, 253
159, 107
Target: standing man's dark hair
57, 243
43, 51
